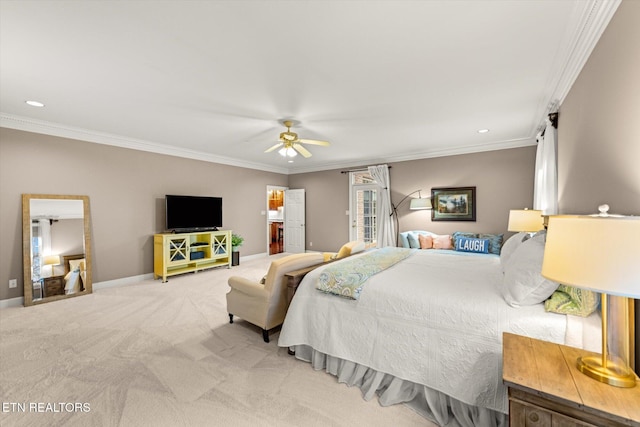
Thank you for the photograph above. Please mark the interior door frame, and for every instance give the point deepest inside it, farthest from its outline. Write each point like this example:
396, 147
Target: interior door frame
267, 227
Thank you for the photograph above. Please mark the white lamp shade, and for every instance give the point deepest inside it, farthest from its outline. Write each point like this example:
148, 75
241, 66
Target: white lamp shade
529, 220
596, 253
420, 203
52, 260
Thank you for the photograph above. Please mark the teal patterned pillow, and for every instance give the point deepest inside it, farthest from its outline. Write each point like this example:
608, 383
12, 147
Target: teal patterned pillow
495, 242
575, 301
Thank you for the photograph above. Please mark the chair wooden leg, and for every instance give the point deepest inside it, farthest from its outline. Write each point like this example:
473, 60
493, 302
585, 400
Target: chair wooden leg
230, 318
265, 335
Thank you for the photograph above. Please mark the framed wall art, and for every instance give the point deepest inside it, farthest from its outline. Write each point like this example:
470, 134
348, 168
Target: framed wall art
453, 204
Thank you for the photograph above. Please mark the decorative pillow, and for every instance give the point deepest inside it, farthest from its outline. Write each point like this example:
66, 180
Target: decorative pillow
495, 242
458, 234
510, 247
466, 244
442, 242
72, 282
76, 264
426, 242
523, 283
409, 239
575, 301
414, 243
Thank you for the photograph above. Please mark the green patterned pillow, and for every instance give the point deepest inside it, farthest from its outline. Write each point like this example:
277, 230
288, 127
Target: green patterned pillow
570, 300
495, 242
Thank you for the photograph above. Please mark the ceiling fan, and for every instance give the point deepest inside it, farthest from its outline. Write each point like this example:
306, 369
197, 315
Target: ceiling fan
290, 143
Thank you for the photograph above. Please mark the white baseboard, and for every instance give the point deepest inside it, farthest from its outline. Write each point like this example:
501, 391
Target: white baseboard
124, 281
11, 302
254, 256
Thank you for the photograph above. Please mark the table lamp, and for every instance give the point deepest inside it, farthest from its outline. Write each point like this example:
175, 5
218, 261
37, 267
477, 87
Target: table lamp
528, 220
602, 254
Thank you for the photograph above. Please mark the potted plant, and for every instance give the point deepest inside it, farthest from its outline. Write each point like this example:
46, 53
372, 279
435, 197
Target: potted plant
236, 242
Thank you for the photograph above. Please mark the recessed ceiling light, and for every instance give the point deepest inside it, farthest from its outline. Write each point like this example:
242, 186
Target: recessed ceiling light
290, 161
35, 103
483, 131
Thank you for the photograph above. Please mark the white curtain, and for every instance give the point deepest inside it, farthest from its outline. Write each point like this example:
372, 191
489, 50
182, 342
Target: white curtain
386, 227
545, 191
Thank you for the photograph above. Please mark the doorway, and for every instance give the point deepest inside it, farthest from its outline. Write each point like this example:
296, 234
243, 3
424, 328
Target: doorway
363, 208
275, 219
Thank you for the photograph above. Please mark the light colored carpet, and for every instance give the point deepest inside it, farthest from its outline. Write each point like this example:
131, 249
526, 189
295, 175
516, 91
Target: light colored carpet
154, 354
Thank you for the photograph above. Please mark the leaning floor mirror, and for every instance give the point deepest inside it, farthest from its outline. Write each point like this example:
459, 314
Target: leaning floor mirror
56, 246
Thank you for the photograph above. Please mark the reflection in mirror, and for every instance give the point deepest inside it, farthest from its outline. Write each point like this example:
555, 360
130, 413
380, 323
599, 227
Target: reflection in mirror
56, 247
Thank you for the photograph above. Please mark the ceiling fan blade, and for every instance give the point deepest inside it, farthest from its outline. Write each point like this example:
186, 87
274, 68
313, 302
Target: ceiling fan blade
314, 142
268, 150
300, 149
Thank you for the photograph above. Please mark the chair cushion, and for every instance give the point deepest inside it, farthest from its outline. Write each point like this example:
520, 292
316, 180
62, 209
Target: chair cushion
350, 248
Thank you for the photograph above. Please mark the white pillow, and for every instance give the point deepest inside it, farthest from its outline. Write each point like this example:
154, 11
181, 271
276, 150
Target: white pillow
523, 283
72, 284
509, 247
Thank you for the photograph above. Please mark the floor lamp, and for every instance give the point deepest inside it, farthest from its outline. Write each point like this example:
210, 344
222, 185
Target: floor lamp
601, 254
419, 203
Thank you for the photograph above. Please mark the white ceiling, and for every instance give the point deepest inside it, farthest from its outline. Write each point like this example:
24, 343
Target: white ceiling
213, 80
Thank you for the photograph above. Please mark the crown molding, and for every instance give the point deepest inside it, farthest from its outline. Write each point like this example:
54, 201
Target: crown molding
469, 149
58, 130
55, 129
588, 22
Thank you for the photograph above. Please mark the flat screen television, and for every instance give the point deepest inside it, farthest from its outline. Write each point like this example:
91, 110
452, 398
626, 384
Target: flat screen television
193, 213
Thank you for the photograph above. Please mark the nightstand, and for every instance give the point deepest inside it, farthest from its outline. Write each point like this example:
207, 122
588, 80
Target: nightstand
547, 389
53, 285
293, 279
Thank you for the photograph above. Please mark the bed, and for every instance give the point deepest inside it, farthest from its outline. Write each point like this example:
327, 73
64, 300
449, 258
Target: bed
74, 273
426, 332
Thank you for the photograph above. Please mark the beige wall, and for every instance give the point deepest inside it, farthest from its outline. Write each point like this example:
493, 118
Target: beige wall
599, 124
327, 200
126, 189
67, 237
503, 181
599, 128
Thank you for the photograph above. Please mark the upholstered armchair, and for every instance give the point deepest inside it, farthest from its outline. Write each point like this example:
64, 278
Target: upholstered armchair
265, 304
347, 249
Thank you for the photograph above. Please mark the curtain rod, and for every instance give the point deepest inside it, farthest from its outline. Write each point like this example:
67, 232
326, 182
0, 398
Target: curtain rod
358, 170
553, 118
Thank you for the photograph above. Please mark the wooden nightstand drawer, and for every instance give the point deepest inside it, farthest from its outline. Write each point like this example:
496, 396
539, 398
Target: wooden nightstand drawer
53, 286
529, 415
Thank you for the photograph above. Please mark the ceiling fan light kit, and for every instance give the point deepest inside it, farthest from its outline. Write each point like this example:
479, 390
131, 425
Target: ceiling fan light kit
290, 144
287, 152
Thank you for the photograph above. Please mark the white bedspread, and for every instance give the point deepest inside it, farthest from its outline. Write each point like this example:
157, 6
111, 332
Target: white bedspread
435, 319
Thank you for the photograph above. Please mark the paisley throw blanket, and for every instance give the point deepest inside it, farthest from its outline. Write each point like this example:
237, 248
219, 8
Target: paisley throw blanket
347, 277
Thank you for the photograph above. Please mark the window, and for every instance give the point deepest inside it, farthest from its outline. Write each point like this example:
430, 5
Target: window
363, 208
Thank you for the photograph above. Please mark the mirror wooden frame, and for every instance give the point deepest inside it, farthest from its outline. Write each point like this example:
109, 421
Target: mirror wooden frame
26, 247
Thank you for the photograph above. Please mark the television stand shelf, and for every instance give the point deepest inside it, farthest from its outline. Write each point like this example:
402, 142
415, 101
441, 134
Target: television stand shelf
178, 253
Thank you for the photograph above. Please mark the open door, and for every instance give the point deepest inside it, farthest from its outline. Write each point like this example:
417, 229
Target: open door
275, 219
294, 214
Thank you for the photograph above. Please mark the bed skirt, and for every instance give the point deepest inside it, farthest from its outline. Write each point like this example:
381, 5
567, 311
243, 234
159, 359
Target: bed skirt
431, 404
